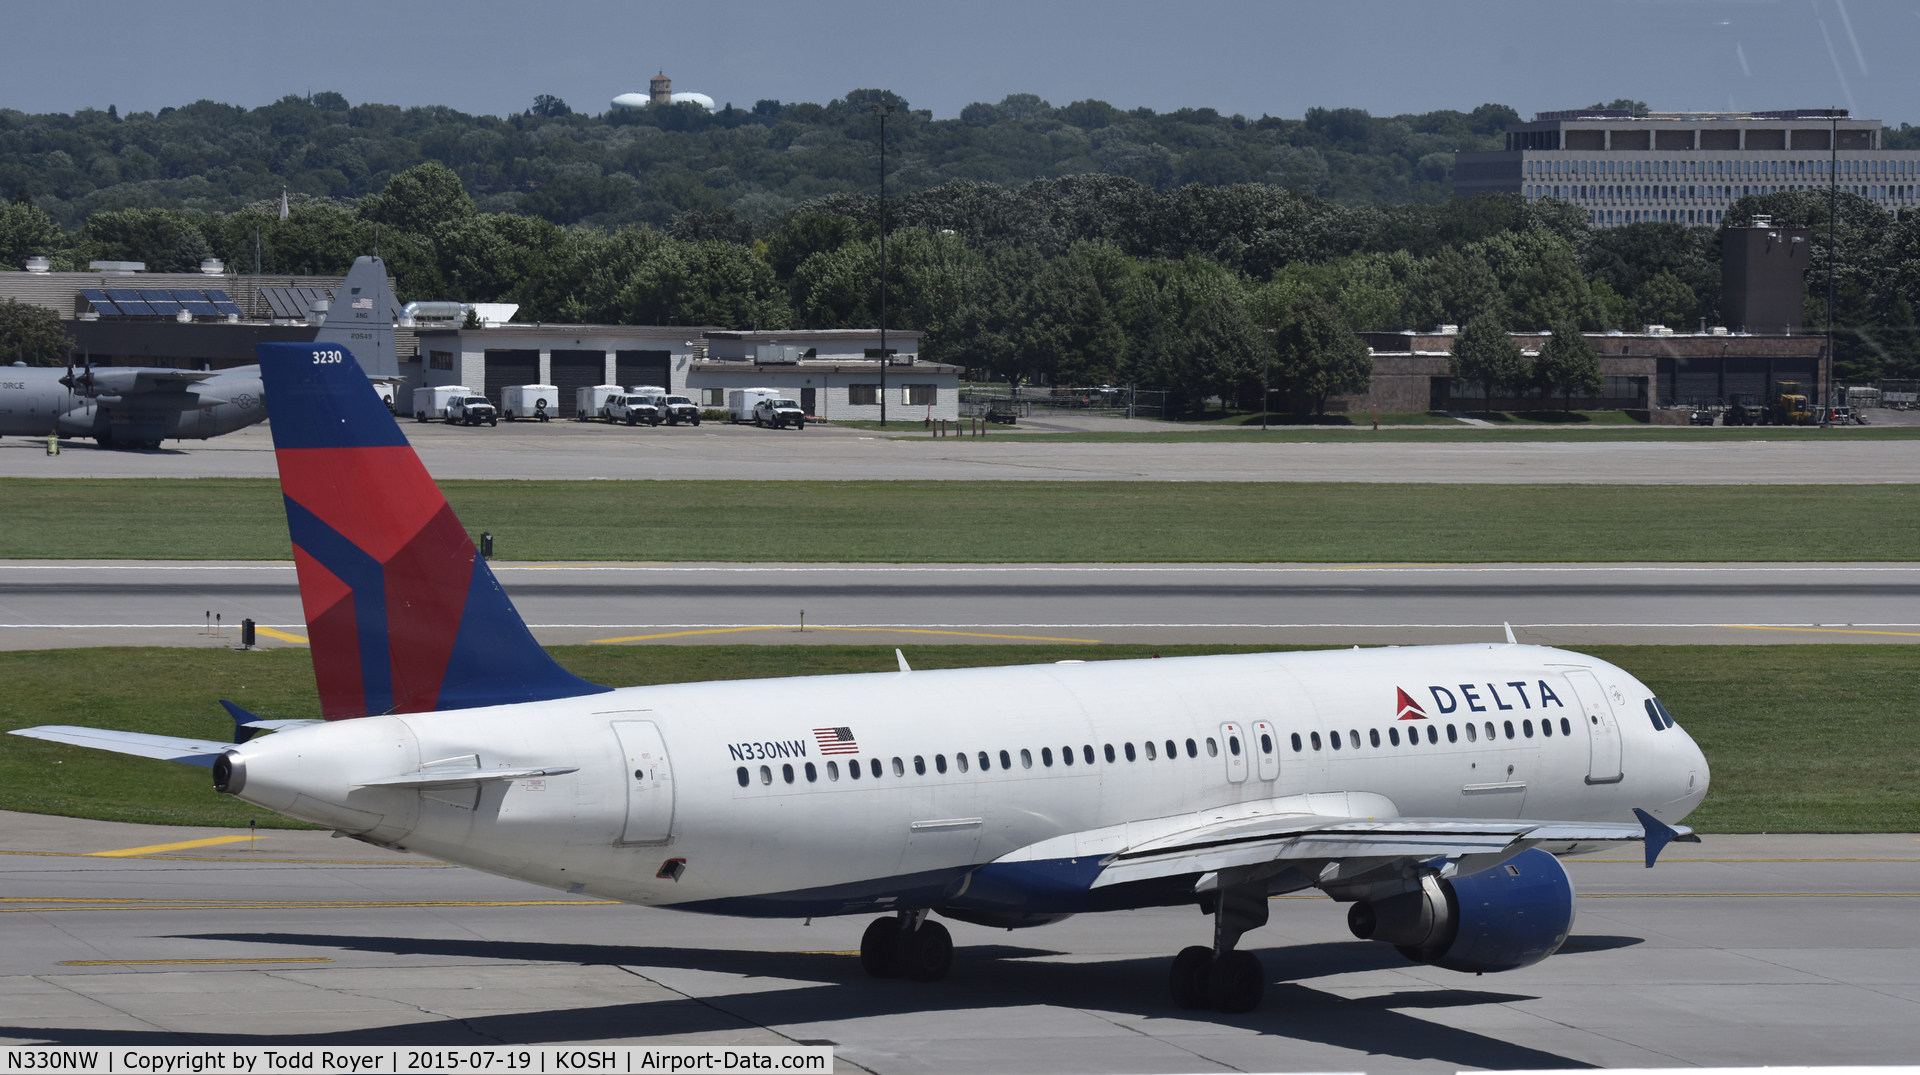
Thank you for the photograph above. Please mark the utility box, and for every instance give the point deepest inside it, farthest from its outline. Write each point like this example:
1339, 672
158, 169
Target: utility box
534, 401
1763, 277
432, 402
740, 402
588, 399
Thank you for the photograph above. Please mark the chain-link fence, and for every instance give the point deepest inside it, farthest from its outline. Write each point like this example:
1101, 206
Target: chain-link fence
1023, 402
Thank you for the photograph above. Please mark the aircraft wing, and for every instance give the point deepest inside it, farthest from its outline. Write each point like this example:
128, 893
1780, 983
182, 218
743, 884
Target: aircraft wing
164, 747
1320, 827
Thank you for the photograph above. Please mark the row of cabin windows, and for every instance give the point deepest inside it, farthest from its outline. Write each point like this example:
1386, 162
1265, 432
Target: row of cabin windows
1525, 730
1473, 732
1149, 750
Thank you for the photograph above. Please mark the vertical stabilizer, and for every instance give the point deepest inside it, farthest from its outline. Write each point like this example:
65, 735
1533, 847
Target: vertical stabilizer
402, 614
361, 318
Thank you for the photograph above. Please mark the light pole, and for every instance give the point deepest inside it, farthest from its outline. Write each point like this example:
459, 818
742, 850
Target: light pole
883, 111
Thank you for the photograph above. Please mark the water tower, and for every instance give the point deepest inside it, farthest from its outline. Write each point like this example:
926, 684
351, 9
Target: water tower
660, 89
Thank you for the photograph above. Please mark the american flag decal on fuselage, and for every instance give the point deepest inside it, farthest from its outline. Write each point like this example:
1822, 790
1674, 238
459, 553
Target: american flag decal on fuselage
836, 740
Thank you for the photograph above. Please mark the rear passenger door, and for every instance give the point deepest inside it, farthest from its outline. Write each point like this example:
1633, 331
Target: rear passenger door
1233, 741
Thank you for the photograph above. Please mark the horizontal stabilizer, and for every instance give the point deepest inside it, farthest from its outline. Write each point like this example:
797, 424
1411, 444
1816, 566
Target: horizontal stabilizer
163, 747
454, 775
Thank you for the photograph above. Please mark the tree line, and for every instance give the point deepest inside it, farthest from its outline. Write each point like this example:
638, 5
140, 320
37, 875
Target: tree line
1095, 278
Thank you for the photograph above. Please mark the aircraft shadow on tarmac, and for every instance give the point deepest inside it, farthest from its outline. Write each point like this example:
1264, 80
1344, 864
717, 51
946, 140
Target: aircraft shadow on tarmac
829, 987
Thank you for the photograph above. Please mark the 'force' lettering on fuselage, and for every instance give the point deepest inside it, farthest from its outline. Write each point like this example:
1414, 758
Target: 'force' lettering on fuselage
1444, 699
785, 748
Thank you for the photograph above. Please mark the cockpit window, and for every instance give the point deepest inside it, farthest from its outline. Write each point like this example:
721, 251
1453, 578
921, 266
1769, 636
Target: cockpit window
1662, 710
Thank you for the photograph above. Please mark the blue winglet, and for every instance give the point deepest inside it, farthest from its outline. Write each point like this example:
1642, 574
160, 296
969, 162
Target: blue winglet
1659, 834
241, 718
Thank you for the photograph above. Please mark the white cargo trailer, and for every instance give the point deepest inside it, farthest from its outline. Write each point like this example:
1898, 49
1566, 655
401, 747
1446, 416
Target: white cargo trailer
588, 399
533, 401
431, 403
740, 402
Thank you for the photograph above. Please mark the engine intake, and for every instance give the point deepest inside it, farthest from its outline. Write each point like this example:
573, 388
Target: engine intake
1511, 916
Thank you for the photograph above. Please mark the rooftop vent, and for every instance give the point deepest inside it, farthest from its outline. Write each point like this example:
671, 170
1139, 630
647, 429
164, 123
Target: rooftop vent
38, 264
117, 268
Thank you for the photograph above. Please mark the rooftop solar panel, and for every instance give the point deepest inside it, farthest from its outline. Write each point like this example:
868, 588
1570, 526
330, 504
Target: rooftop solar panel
217, 296
155, 294
123, 294
99, 301
227, 308
195, 303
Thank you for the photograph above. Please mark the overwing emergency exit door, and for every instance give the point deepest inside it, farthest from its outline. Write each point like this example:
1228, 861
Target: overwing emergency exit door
1603, 766
649, 781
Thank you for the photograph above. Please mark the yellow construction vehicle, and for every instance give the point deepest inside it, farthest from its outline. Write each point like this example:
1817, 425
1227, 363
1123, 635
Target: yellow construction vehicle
1789, 405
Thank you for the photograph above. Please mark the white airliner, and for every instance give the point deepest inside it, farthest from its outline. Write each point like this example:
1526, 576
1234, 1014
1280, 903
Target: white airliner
1429, 787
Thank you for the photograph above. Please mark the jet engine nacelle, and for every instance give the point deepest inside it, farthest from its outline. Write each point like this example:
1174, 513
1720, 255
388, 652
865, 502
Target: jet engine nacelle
1511, 916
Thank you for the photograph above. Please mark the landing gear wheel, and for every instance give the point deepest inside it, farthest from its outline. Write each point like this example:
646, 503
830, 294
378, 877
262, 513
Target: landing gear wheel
1236, 983
1188, 979
926, 954
880, 948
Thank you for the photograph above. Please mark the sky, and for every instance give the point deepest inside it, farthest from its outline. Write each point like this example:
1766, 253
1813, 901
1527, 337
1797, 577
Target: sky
1277, 58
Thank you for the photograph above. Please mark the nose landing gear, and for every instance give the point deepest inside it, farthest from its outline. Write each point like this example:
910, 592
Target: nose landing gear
907, 946
1219, 977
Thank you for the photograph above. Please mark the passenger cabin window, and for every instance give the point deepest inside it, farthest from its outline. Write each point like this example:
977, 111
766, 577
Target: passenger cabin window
766, 775
986, 763
1006, 762
1087, 753
1192, 751
939, 763
1148, 747
1316, 740
1393, 736
960, 759
919, 765
1470, 734
741, 775
874, 765
1213, 749
786, 772
1566, 726
1490, 732
899, 768
1026, 758
1509, 726
1453, 734
1527, 727
833, 770
813, 775
1333, 740
1109, 753
1353, 737
1173, 751
1046, 756
1546, 727
1066, 755
1296, 742
1433, 734
1128, 748
1373, 736
1233, 745
853, 769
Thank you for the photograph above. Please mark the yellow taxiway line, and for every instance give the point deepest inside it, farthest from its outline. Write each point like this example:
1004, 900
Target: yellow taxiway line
1824, 630
151, 849
281, 635
192, 962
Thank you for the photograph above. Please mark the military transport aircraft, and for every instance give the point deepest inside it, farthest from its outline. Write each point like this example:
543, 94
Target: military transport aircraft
1430, 788
139, 406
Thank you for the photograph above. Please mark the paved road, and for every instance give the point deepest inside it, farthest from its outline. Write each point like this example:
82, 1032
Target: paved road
578, 451
1745, 950
48, 604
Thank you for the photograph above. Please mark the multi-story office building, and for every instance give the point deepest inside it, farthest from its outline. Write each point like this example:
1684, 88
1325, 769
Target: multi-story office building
1688, 167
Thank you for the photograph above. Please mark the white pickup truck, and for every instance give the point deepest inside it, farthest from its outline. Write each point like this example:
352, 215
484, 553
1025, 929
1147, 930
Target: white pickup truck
471, 411
779, 412
631, 409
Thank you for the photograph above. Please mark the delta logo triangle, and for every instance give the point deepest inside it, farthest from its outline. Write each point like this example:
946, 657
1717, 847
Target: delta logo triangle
1409, 709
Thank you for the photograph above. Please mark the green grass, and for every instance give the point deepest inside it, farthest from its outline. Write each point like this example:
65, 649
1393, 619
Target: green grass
1448, 431
1000, 522
1800, 738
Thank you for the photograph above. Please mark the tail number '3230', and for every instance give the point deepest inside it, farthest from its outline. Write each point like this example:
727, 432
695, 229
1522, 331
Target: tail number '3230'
325, 358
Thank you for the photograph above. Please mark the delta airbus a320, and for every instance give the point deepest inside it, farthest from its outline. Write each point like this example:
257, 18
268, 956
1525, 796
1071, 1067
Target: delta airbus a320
1429, 788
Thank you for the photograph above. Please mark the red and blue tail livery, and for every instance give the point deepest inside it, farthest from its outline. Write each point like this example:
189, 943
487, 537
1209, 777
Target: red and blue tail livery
402, 613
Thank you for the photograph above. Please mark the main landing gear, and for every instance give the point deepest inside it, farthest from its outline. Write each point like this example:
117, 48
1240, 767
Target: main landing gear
1220, 977
907, 946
